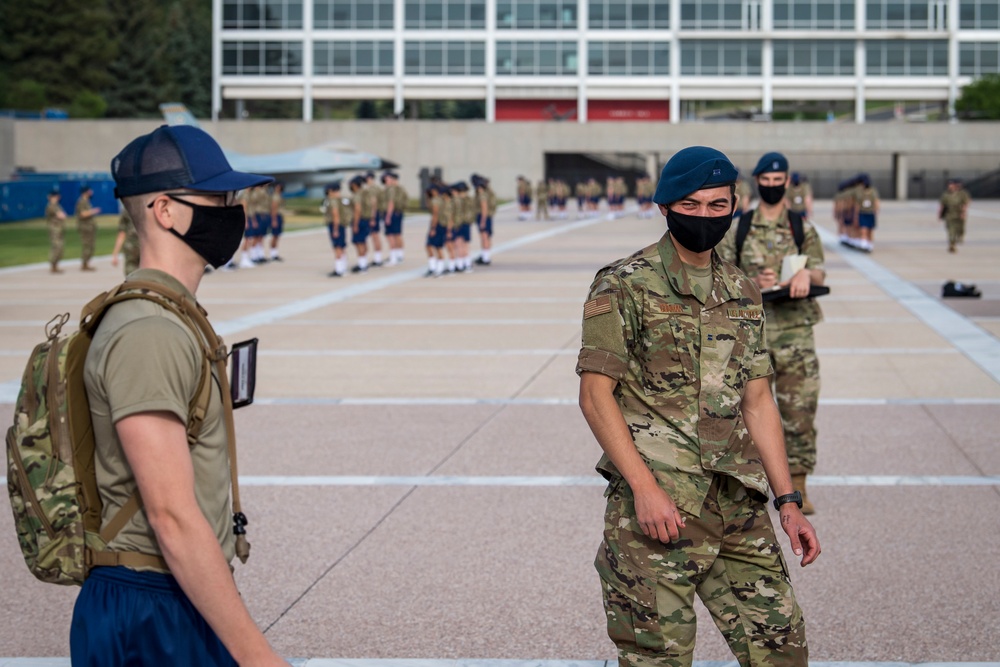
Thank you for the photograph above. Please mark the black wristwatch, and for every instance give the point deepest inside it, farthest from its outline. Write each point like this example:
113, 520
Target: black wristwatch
794, 497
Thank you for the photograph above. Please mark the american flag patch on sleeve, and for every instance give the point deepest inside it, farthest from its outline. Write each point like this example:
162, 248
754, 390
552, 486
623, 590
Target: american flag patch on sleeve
597, 306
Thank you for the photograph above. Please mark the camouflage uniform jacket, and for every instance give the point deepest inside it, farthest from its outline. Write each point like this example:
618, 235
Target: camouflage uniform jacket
682, 359
953, 205
765, 247
798, 196
52, 211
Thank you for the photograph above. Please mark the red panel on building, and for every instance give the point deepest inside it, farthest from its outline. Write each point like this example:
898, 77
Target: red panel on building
536, 110
624, 110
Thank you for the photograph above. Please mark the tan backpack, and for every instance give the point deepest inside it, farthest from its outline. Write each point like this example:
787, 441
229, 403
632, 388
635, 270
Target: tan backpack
50, 448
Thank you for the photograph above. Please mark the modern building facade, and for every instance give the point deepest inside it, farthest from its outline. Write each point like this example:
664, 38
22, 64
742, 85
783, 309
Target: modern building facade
593, 60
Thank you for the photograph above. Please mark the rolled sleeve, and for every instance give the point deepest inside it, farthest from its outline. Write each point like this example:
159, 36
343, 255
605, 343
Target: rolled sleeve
604, 348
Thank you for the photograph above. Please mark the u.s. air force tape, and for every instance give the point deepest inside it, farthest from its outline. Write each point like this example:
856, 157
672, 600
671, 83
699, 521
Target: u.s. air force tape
597, 306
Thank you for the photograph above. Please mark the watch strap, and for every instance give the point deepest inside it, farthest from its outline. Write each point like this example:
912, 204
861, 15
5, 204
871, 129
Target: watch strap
794, 497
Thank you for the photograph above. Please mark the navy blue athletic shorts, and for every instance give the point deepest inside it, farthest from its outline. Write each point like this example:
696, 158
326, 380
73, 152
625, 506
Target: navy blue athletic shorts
437, 238
263, 223
123, 617
486, 228
524, 201
337, 236
278, 225
379, 220
866, 220
464, 232
395, 226
364, 228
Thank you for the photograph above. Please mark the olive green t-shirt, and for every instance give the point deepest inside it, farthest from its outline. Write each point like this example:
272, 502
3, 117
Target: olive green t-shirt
145, 359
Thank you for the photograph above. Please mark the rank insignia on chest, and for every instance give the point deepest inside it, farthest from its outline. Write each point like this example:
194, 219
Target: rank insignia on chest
597, 306
745, 313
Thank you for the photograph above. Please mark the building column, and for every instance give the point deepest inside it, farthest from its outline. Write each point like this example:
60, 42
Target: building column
582, 60
953, 58
901, 170
307, 62
860, 63
398, 57
767, 63
491, 61
675, 63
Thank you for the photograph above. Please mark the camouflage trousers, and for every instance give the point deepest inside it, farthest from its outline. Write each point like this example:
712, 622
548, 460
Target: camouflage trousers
728, 556
796, 388
956, 231
88, 239
56, 235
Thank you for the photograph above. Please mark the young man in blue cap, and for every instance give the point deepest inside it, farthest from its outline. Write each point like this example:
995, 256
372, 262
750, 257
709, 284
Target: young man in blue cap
770, 237
166, 596
674, 383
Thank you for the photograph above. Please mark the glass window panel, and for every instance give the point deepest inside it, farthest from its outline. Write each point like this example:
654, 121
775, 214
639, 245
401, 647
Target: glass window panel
753, 59
661, 60
548, 58
548, 13
940, 59
230, 15
567, 14
846, 56
779, 14
456, 14
477, 58
661, 14
732, 14
689, 59
709, 15
617, 15
411, 60
709, 59
230, 59
505, 60
342, 14
873, 58
989, 59
918, 15
364, 58
364, 16
689, 14
385, 58
412, 12
505, 14
617, 60
595, 58
524, 58
733, 59
919, 60
342, 58
895, 59
433, 14
826, 59
895, 15
780, 58
477, 15
596, 11
569, 59
250, 56
433, 58
525, 14
989, 15
639, 15
640, 58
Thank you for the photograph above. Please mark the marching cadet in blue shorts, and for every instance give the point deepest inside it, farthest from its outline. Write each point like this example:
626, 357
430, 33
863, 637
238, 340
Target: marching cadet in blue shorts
396, 200
361, 223
339, 212
436, 233
277, 222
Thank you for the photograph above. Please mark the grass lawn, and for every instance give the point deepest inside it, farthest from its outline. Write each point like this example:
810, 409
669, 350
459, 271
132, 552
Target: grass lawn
27, 241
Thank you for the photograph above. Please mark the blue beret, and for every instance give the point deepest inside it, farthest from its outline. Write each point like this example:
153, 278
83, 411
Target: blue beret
332, 187
692, 169
770, 162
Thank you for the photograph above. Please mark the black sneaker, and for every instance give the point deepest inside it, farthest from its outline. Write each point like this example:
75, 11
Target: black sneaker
376, 263
480, 260
358, 269
429, 274
277, 259
335, 274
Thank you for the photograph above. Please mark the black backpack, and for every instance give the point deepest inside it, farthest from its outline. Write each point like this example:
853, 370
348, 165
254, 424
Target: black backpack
743, 228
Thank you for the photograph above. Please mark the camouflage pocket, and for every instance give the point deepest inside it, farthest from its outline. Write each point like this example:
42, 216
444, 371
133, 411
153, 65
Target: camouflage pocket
738, 368
664, 350
629, 602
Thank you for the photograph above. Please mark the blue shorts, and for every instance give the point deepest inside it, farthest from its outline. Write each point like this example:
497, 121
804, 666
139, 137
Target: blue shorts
263, 224
379, 219
278, 225
595, 200
337, 236
848, 220
464, 232
866, 220
361, 236
395, 226
524, 201
436, 238
487, 227
124, 617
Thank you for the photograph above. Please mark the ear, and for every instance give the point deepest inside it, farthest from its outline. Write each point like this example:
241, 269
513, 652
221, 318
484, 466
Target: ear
663, 209
163, 213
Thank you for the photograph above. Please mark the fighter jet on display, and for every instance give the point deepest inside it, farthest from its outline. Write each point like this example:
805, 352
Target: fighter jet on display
307, 168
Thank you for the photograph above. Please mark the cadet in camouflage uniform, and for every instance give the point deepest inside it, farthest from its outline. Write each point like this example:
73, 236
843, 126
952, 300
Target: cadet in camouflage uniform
542, 197
126, 242
87, 226
866, 208
396, 200
486, 208
953, 211
790, 341
55, 218
799, 196
364, 208
338, 211
674, 384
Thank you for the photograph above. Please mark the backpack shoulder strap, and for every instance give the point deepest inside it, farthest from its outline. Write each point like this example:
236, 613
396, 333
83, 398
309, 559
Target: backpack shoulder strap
798, 229
742, 230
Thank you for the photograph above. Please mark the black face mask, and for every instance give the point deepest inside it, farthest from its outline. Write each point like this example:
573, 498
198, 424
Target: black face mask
771, 194
215, 232
697, 233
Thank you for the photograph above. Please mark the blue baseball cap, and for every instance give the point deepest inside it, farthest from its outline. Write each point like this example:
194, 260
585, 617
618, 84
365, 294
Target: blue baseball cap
692, 169
179, 156
770, 162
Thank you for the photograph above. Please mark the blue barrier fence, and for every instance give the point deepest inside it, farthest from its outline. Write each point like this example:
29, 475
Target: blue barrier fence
27, 197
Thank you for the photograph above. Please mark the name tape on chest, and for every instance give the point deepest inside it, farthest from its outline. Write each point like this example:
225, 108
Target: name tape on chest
597, 306
745, 313
673, 308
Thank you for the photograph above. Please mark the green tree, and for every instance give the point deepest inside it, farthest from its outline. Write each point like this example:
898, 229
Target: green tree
980, 100
138, 72
188, 55
64, 46
87, 104
26, 96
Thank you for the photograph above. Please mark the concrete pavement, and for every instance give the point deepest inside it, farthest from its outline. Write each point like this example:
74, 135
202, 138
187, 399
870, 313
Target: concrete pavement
420, 482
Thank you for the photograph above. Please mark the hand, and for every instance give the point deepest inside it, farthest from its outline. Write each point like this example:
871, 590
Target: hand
766, 279
798, 286
800, 532
657, 514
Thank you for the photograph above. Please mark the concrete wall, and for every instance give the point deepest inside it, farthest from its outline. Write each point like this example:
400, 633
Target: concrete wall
505, 150
6, 147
